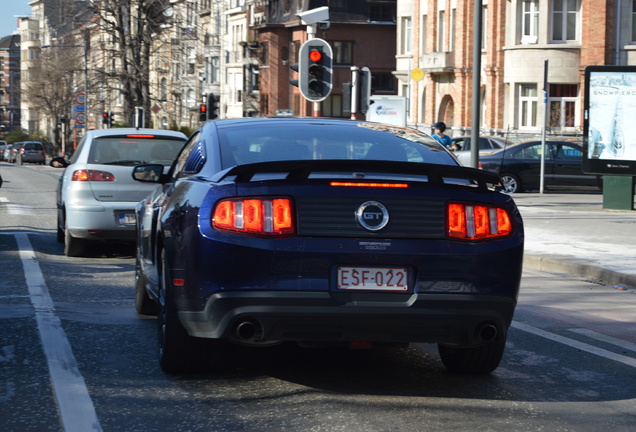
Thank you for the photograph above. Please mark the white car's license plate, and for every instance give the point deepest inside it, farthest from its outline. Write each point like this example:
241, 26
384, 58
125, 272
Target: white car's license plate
127, 218
373, 278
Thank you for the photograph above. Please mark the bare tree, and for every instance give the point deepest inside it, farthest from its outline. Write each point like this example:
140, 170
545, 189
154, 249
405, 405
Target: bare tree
131, 26
51, 84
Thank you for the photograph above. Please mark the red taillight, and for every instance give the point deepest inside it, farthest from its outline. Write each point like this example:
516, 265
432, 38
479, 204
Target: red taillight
474, 222
92, 175
368, 184
257, 216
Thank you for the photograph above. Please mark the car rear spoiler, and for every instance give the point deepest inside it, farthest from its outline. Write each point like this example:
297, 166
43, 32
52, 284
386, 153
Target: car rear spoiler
302, 169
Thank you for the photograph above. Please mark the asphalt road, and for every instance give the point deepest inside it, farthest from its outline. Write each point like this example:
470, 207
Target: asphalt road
75, 356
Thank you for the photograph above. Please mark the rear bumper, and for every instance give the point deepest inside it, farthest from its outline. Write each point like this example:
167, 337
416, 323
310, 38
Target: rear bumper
454, 319
100, 221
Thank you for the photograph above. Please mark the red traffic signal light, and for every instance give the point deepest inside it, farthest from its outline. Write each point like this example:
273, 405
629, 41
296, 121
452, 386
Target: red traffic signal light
315, 55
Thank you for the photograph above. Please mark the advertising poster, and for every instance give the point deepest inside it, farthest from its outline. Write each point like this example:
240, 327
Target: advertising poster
610, 120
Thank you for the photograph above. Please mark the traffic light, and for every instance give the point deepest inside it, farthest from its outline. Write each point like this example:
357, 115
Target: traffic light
139, 118
203, 112
365, 89
213, 107
107, 119
315, 61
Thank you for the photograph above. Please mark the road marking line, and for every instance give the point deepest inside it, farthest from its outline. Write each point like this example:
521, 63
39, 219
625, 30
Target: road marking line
603, 338
4, 199
75, 404
575, 344
16, 209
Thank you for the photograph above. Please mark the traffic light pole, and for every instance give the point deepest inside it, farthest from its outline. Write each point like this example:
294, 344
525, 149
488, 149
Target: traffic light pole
354, 91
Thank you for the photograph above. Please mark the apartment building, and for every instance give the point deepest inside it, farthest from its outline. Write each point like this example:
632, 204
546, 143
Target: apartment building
518, 36
9, 83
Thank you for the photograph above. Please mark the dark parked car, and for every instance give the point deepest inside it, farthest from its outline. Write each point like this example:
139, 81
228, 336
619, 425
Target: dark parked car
3, 146
31, 151
486, 145
324, 232
520, 166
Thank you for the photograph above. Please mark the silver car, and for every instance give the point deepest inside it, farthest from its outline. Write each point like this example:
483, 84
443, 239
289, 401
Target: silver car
96, 195
487, 145
32, 152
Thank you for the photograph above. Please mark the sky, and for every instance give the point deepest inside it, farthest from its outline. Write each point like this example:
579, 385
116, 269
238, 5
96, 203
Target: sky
8, 10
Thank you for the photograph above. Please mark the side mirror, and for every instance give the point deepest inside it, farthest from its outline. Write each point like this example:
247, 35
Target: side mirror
149, 173
59, 162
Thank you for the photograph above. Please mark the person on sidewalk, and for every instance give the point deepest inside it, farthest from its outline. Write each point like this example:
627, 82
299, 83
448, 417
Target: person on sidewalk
439, 136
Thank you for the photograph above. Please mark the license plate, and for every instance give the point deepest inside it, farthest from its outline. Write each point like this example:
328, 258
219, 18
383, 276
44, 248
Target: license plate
127, 219
373, 278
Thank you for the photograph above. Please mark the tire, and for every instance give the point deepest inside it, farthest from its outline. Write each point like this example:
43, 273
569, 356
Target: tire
482, 359
180, 353
511, 183
73, 246
144, 304
60, 231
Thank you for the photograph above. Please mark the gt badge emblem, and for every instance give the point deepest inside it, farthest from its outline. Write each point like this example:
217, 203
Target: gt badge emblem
372, 215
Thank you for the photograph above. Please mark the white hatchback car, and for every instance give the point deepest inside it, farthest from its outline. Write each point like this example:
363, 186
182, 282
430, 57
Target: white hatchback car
96, 194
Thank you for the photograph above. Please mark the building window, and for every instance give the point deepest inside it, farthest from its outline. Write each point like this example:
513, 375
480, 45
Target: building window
332, 107
562, 103
191, 99
440, 31
383, 82
338, 4
381, 12
529, 21
484, 28
451, 42
527, 106
164, 89
564, 20
265, 54
406, 38
342, 52
634, 21
423, 28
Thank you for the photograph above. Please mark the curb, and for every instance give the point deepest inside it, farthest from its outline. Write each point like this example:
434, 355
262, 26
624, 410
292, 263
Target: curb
579, 268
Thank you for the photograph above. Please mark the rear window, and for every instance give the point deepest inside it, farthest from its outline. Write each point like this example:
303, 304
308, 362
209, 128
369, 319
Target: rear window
368, 141
33, 146
133, 150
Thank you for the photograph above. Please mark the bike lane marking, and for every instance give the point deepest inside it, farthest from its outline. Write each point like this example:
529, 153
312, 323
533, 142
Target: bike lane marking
575, 344
75, 404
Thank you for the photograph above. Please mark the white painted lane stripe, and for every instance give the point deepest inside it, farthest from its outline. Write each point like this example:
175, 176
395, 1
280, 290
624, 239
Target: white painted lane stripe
15, 209
603, 338
4, 199
575, 344
75, 404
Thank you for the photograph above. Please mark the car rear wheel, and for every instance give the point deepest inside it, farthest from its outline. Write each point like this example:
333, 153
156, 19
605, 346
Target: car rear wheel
180, 353
60, 231
511, 183
482, 359
73, 246
144, 304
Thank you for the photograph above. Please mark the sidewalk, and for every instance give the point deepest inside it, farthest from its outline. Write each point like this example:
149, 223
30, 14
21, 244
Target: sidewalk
573, 233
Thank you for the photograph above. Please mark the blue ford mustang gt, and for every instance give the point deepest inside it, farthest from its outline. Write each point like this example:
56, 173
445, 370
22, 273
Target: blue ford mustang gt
321, 231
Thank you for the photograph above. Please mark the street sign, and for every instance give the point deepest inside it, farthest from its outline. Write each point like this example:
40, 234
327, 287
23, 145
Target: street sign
156, 109
80, 99
79, 108
80, 118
